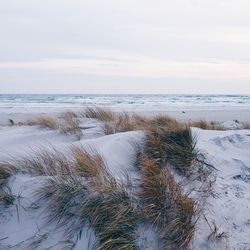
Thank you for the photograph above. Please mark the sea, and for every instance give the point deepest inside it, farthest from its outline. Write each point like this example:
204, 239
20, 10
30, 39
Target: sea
123, 102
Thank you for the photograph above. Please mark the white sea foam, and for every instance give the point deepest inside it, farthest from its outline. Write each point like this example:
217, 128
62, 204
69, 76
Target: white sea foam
128, 102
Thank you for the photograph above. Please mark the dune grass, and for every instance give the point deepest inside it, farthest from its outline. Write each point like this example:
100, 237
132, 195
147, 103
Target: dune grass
81, 192
44, 121
88, 195
121, 122
68, 124
169, 142
169, 146
213, 125
246, 125
114, 122
52, 162
6, 196
166, 206
102, 114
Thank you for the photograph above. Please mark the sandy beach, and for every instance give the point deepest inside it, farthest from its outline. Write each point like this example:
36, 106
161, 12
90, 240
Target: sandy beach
222, 224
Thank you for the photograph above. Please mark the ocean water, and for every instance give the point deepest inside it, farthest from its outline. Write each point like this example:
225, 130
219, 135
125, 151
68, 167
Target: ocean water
124, 102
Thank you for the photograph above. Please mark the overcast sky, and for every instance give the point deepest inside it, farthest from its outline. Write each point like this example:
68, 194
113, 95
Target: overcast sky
125, 46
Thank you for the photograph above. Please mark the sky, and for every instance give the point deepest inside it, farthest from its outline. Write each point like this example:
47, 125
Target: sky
125, 46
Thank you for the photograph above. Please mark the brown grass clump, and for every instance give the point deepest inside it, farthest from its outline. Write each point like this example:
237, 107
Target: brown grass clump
162, 122
246, 125
70, 124
180, 148
170, 142
45, 121
88, 195
108, 128
99, 114
79, 191
85, 164
114, 219
123, 122
213, 125
51, 162
166, 206
6, 196
43, 163
6, 170
115, 122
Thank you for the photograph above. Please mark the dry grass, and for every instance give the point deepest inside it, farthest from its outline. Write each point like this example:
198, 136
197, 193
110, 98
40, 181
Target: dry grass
43, 163
166, 206
98, 113
81, 192
70, 124
6, 196
44, 121
86, 164
115, 122
6, 170
122, 122
169, 142
163, 122
246, 125
113, 218
125, 123
51, 162
180, 150
89, 196
213, 125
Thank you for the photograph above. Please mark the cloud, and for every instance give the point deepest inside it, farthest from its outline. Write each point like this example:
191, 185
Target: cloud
145, 68
193, 39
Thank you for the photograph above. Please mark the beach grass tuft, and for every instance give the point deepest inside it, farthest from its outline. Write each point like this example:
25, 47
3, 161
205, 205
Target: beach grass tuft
70, 124
213, 125
88, 195
102, 114
6, 196
44, 121
166, 206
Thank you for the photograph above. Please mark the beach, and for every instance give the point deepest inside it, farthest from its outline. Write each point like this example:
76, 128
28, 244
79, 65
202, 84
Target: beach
223, 198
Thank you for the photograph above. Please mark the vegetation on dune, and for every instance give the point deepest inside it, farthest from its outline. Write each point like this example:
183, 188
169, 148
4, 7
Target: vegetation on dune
206, 125
44, 121
90, 196
246, 125
102, 114
81, 192
169, 142
68, 123
166, 206
6, 171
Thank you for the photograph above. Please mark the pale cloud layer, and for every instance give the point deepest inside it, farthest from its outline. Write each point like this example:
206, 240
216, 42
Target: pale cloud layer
117, 46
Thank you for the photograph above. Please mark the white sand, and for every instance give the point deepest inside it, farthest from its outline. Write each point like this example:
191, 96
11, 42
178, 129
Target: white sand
228, 151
